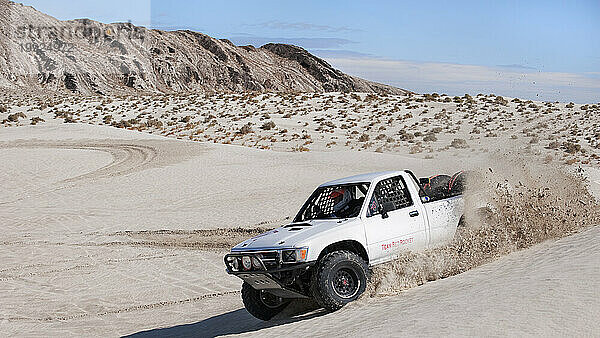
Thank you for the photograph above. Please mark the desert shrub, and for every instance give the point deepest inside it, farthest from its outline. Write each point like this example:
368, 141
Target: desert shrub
571, 147
154, 123
70, 119
300, 149
246, 129
3, 108
363, 138
209, 118
459, 143
120, 124
416, 149
430, 138
15, 117
36, 119
405, 136
328, 124
268, 125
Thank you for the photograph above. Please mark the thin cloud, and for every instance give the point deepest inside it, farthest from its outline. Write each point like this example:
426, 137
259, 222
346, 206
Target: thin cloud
516, 66
455, 79
339, 53
301, 26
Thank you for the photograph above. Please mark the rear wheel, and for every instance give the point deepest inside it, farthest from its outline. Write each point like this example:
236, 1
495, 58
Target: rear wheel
461, 229
339, 278
262, 304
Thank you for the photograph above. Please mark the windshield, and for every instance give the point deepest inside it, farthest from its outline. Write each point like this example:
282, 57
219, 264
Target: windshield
334, 202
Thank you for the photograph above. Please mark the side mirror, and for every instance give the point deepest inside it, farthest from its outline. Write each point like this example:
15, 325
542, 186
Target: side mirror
385, 208
383, 213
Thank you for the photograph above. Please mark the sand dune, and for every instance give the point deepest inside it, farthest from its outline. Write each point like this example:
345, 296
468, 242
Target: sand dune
102, 235
548, 290
67, 262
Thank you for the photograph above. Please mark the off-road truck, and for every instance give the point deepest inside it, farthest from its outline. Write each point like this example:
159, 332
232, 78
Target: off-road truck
344, 228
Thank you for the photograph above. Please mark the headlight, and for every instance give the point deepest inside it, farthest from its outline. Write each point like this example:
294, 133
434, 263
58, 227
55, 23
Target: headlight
294, 255
232, 263
246, 263
256, 263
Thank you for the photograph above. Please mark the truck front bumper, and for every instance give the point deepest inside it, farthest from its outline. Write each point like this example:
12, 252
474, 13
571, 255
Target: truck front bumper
262, 278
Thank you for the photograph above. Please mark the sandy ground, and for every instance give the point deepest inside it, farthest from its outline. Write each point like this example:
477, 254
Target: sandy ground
101, 237
548, 290
424, 126
69, 190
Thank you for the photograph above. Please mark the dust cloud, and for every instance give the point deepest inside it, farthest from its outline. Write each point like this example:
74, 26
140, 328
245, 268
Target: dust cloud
510, 204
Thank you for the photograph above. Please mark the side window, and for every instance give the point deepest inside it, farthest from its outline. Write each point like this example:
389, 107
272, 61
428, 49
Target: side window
391, 192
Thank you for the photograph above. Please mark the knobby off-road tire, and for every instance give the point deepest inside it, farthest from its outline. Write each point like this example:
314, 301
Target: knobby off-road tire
262, 304
339, 278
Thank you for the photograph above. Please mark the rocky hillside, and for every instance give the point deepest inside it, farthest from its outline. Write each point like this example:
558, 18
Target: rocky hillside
88, 57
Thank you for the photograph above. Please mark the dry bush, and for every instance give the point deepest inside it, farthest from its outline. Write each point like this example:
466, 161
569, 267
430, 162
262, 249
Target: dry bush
571, 147
430, 138
268, 125
36, 119
300, 148
416, 149
459, 143
15, 117
246, 129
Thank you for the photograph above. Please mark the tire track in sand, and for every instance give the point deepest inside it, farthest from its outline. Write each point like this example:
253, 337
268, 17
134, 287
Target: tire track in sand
5, 277
127, 157
132, 308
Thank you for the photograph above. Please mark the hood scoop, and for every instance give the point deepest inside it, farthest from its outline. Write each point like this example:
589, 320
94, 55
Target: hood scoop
295, 226
295, 229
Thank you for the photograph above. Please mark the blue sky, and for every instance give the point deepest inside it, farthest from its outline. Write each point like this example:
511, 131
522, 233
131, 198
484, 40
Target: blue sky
547, 50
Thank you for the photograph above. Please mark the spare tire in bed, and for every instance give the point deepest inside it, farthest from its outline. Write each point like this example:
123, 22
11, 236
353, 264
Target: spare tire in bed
436, 187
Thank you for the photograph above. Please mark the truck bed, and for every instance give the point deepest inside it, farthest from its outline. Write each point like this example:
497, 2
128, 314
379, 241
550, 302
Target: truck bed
443, 216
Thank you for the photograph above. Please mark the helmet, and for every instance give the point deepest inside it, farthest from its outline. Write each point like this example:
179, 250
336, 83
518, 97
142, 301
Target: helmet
341, 197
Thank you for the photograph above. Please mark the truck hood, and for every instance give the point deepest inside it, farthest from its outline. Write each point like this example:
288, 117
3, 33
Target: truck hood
289, 236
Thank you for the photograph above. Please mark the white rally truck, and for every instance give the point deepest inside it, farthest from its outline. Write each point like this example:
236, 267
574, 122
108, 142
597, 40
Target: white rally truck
344, 228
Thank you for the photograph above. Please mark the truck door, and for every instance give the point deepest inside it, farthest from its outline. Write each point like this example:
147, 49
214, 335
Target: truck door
393, 222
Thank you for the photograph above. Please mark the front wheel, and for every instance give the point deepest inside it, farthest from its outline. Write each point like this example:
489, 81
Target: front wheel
339, 278
262, 304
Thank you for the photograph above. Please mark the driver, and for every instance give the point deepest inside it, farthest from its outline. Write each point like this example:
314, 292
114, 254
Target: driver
341, 199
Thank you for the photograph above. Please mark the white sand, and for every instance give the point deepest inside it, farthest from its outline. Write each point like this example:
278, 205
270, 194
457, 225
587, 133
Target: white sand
68, 188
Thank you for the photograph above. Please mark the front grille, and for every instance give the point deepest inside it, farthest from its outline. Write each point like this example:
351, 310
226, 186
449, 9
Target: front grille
270, 259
